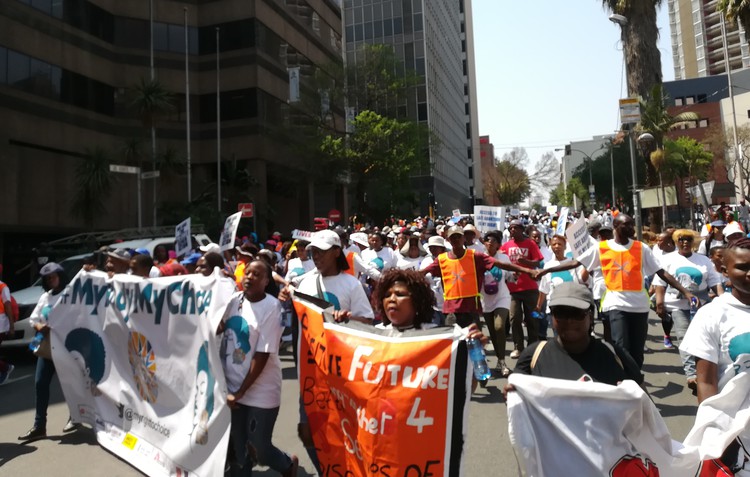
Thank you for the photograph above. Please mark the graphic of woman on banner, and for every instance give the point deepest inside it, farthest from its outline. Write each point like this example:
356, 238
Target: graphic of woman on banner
204, 398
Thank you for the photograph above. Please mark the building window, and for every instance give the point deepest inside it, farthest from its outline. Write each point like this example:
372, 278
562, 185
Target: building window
316, 23
701, 98
422, 112
679, 101
703, 123
689, 100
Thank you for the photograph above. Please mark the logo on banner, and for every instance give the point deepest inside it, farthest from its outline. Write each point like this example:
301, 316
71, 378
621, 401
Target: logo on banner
204, 397
87, 348
143, 364
241, 336
634, 466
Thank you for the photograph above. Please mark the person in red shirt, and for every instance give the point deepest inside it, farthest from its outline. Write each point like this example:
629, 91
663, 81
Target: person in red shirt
462, 272
524, 292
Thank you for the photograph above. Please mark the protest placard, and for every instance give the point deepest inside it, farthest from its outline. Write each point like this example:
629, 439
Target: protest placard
226, 241
562, 221
488, 218
302, 234
182, 242
368, 396
578, 237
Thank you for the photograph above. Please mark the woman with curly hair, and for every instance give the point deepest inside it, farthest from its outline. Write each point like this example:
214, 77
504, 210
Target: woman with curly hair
404, 300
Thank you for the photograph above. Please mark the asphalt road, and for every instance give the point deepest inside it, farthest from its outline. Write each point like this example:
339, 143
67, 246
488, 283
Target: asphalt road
488, 451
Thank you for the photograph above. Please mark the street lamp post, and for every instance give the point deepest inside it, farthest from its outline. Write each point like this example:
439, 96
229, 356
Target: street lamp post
622, 21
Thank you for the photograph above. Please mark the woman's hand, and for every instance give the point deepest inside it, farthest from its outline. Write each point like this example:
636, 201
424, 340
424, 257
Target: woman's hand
42, 327
473, 332
232, 401
342, 316
506, 389
285, 294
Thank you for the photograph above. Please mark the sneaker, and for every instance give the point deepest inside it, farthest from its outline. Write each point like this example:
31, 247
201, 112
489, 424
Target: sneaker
501, 369
4, 376
33, 434
71, 426
515, 354
668, 342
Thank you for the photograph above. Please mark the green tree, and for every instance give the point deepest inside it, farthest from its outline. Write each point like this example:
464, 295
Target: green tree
94, 184
690, 158
381, 150
735, 10
510, 182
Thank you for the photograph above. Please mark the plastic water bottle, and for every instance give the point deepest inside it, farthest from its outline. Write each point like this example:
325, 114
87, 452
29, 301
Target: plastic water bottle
36, 342
693, 307
536, 315
478, 360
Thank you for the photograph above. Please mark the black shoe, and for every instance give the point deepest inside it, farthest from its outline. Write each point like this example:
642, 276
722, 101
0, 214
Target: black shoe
71, 426
34, 434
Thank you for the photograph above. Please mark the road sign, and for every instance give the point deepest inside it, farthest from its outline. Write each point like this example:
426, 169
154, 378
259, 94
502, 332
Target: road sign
150, 175
123, 169
246, 209
630, 111
334, 215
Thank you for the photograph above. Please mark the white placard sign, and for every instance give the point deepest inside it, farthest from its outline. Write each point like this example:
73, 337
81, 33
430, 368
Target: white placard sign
182, 242
138, 361
515, 212
230, 231
578, 237
551, 209
456, 212
561, 221
302, 235
488, 218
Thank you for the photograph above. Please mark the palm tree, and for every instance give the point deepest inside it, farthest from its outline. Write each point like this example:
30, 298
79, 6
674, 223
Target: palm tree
734, 10
656, 120
639, 36
93, 185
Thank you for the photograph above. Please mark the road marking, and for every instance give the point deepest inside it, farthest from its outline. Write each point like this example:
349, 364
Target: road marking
17, 379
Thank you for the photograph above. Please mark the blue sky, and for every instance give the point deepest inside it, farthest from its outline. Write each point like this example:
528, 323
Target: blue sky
550, 72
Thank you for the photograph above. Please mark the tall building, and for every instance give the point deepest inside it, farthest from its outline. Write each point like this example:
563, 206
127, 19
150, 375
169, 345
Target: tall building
434, 39
697, 42
68, 69
489, 172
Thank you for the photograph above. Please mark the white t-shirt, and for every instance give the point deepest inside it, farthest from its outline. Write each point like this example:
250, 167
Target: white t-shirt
251, 328
546, 253
154, 272
4, 298
633, 301
477, 246
383, 260
549, 281
408, 263
43, 306
343, 291
501, 299
720, 333
297, 268
436, 283
696, 273
714, 243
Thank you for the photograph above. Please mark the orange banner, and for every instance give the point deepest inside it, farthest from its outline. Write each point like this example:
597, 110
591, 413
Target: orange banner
380, 405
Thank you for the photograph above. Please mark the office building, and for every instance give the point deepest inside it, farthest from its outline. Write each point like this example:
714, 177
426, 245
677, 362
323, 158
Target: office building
489, 172
434, 39
697, 41
68, 69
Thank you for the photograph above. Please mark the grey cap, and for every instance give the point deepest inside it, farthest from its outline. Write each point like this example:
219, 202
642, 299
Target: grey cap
120, 254
454, 231
571, 294
50, 268
515, 222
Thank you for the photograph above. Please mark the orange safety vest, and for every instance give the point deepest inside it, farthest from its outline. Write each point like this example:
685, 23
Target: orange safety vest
350, 261
239, 272
459, 276
622, 270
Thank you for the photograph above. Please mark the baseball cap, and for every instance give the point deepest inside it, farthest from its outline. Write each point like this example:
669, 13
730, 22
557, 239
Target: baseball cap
210, 248
515, 222
470, 228
325, 239
718, 223
732, 228
436, 241
360, 238
571, 294
51, 268
454, 230
119, 254
191, 259
141, 251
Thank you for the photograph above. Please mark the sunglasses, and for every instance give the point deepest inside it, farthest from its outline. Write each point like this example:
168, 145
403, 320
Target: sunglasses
685, 239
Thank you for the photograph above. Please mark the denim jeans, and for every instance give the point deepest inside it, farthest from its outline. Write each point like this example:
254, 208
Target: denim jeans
629, 331
496, 325
45, 370
253, 427
680, 323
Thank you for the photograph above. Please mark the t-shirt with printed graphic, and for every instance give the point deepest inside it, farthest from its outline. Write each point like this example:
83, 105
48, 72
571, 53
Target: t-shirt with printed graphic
297, 268
525, 248
250, 328
695, 273
343, 291
549, 281
720, 333
40, 315
383, 259
501, 299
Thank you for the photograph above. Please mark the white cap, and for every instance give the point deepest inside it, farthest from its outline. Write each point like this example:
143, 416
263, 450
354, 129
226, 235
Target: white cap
436, 241
324, 240
211, 248
470, 228
360, 238
732, 228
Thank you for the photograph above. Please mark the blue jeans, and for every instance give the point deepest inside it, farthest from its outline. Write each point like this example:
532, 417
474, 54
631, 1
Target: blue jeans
680, 323
45, 370
629, 331
253, 427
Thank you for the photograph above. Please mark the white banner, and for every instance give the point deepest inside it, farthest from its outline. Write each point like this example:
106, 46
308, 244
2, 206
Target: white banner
598, 429
138, 360
562, 220
230, 231
294, 84
578, 237
488, 218
302, 235
182, 242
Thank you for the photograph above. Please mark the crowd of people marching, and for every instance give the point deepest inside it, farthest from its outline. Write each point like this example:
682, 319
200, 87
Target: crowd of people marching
521, 282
